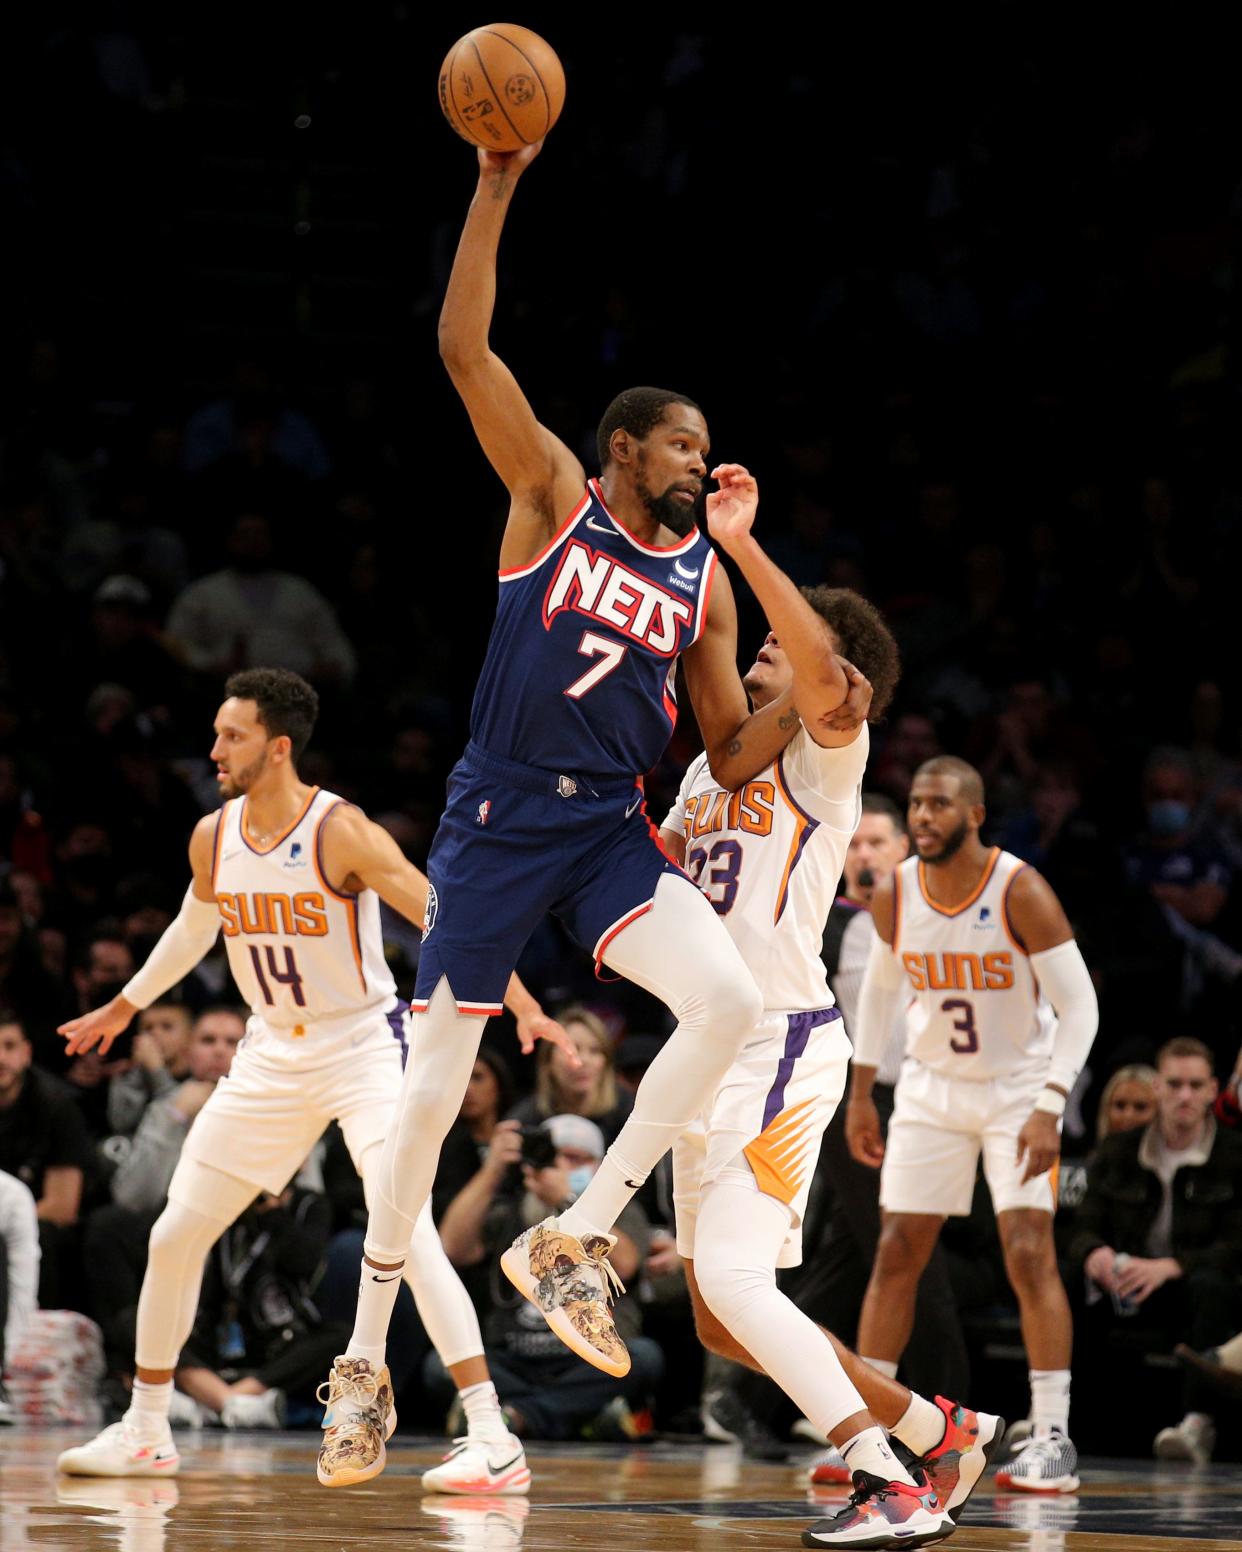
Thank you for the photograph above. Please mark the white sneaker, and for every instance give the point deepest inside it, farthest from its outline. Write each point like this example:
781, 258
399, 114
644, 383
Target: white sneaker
490, 1467
358, 1420
119, 1452
571, 1283
1193, 1440
263, 1411
1048, 1465
183, 1412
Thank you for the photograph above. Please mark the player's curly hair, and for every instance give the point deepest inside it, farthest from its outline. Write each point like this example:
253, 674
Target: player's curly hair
638, 411
863, 638
286, 704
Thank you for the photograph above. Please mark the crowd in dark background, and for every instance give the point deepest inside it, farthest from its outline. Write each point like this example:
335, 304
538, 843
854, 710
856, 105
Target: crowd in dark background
976, 335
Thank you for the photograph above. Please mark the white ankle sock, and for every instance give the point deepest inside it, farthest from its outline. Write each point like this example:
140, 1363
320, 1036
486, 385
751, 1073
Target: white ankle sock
921, 1426
884, 1365
869, 1451
1050, 1401
483, 1415
148, 1409
377, 1293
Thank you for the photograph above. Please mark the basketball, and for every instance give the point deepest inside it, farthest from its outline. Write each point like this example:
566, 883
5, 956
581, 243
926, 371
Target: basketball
502, 87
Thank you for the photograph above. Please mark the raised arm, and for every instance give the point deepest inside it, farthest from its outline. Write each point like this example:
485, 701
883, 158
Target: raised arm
739, 742
544, 479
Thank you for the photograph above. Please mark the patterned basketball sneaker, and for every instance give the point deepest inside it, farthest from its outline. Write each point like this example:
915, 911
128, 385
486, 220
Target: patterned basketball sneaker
493, 1468
571, 1283
955, 1466
119, 1451
1047, 1465
884, 1514
828, 1468
358, 1420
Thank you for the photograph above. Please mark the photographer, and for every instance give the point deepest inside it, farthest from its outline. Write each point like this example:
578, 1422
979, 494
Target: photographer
547, 1392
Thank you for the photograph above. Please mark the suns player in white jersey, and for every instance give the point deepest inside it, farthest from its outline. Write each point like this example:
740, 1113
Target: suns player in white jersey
977, 945
294, 876
769, 857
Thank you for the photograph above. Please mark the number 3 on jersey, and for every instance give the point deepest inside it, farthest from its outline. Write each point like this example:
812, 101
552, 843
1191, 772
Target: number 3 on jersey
717, 869
609, 654
964, 1023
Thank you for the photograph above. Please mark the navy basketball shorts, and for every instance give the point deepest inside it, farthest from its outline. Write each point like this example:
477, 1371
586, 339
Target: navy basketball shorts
514, 843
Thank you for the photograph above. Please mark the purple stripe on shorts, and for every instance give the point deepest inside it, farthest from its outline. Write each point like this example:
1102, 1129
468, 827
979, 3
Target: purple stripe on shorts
799, 1032
396, 1022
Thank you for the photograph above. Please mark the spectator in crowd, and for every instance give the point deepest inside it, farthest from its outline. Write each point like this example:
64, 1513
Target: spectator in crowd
104, 964
1128, 1100
45, 1144
141, 1181
488, 1096
159, 1061
19, 1272
25, 985
1190, 878
589, 1089
547, 1392
252, 614
1160, 1231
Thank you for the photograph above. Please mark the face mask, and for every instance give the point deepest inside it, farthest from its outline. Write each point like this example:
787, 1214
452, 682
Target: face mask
1170, 816
580, 1178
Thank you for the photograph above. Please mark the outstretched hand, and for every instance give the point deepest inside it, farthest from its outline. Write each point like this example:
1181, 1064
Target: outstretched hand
99, 1027
493, 163
538, 1025
731, 509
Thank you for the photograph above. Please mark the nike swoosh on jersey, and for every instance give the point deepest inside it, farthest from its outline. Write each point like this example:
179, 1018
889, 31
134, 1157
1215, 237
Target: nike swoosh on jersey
598, 527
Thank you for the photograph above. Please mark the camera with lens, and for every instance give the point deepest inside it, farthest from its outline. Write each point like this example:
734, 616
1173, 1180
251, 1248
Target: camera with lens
538, 1149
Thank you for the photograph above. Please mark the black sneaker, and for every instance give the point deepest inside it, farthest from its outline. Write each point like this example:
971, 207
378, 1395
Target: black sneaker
727, 1421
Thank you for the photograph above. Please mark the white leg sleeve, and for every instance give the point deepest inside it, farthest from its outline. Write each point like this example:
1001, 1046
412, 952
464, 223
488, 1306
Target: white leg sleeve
443, 1046
737, 1239
680, 952
443, 1304
179, 1243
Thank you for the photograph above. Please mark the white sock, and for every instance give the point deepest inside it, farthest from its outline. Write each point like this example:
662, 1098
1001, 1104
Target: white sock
483, 1416
921, 1426
1050, 1401
869, 1451
884, 1365
377, 1293
1230, 1353
148, 1409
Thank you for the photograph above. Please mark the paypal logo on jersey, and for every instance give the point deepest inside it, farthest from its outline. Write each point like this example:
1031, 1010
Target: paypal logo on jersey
295, 858
985, 919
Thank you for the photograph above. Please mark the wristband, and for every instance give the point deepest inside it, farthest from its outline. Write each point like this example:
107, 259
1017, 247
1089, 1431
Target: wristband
1051, 1101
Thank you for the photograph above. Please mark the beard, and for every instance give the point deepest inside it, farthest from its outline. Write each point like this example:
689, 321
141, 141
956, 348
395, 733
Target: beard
668, 510
951, 844
235, 785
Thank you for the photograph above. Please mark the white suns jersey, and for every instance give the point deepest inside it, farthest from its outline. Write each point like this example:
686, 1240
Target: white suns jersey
976, 1011
769, 858
300, 950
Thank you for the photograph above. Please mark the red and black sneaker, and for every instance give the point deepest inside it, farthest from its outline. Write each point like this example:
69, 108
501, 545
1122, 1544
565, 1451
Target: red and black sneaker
957, 1463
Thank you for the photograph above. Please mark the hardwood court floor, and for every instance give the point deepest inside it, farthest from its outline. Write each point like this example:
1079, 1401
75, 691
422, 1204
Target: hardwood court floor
258, 1491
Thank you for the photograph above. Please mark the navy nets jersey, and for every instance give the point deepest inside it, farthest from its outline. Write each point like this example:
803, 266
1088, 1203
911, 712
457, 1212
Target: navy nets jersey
579, 674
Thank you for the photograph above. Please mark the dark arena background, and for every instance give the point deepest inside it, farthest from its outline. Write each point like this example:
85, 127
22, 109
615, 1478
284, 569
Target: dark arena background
962, 295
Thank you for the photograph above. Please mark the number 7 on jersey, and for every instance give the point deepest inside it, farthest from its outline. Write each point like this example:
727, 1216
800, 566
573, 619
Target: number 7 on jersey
609, 654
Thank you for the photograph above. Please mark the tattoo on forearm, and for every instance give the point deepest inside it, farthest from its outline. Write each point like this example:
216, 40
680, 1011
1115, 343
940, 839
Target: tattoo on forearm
735, 747
788, 720
500, 186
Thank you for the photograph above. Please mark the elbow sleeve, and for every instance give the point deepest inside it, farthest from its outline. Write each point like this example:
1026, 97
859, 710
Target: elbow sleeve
878, 1003
186, 940
1066, 982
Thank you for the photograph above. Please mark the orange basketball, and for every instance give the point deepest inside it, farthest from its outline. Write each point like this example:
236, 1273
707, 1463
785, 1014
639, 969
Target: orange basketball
502, 87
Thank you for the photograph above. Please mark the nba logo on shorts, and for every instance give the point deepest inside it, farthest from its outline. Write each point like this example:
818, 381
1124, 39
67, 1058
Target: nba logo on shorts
433, 906
485, 808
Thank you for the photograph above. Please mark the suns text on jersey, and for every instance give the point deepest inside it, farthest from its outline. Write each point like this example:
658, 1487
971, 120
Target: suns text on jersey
274, 915
603, 589
951, 971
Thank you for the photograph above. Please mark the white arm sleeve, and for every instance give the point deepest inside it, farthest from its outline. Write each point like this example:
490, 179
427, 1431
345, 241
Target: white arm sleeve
878, 1003
186, 940
1066, 982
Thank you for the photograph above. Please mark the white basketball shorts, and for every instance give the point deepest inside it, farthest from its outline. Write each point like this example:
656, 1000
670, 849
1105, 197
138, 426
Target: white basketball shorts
766, 1123
939, 1127
284, 1090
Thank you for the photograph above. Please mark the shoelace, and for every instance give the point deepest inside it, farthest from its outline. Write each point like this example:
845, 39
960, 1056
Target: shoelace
1043, 1449
350, 1387
612, 1282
